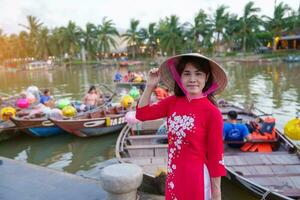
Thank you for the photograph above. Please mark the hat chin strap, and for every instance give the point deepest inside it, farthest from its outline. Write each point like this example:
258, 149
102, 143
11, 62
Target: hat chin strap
172, 68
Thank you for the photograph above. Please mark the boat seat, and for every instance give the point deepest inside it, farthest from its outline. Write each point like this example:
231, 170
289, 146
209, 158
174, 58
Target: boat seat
252, 141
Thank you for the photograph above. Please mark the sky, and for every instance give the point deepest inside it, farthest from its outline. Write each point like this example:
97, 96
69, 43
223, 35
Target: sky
55, 13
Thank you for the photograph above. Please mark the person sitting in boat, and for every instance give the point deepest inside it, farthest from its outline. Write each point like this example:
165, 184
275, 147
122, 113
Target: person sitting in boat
46, 98
234, 131
90, 100
162, 130
161, 92
129, 77
118, 76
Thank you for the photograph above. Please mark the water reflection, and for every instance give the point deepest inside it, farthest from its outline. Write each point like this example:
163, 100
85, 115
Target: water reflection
62, 152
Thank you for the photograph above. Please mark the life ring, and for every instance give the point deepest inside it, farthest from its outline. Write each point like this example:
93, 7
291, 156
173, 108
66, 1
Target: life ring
47, 123
94, 123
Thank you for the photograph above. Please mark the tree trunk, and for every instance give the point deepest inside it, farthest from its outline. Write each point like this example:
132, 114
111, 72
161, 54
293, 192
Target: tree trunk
133, 52
244, 44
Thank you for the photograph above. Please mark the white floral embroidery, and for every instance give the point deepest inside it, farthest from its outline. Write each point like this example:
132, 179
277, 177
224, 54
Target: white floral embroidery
177, 125
171, 184
222, 162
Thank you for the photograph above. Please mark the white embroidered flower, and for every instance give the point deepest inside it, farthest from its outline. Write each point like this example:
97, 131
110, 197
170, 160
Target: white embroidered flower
173, 166
171, 185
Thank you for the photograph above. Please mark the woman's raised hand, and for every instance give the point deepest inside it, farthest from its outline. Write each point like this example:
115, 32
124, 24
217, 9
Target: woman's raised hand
153, 77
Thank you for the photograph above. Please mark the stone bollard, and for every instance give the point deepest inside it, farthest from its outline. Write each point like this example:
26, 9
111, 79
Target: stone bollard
121, 181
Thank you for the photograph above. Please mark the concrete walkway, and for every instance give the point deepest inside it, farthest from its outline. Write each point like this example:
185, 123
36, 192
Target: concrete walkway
22, 181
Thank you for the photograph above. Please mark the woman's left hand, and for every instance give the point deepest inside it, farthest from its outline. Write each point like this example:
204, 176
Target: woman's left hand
216, 188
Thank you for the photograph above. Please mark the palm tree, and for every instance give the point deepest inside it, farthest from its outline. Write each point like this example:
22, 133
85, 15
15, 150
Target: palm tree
278, 23
107, 33
232, 34
132, 36
219, 22
199, 30
250, 23
171, 32
56, 42
150, 36
43, 43
34, 26
3, 45
88, 40
71, 37
294, 20
24, 45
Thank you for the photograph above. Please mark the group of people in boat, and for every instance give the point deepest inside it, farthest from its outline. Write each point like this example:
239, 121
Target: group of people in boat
130, 76
239, 135
93, 98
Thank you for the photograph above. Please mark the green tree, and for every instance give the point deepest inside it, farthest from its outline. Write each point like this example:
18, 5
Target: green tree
88, 40
43, 48
171, 33
150, 38
278, 23
71, 35
34, 26
107, 33
219, 22
250, 23
132, 36
199, 32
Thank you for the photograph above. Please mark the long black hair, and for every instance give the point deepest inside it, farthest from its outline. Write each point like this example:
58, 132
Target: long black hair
202, 65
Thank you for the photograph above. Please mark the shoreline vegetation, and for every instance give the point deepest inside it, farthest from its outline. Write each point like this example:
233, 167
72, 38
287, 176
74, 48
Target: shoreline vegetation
232, 57
218, 33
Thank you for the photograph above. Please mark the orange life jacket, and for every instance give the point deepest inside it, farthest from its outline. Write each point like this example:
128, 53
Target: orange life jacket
266, 132
160, 93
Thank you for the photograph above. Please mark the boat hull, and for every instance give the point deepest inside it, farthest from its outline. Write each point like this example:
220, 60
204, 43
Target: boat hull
38, 127
91, 127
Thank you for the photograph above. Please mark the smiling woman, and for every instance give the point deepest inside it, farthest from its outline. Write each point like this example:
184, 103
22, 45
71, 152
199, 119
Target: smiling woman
195, 150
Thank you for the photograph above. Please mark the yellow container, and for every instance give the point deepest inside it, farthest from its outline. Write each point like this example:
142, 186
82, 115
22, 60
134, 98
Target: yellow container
107, 121
292, 129
7, 112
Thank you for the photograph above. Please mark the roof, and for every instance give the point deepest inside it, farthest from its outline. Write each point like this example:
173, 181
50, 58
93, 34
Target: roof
290, 37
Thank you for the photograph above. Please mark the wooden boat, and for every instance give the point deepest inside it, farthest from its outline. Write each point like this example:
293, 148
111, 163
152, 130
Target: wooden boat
40, 127
291, 59
94, 124
130, 84
270, 176
38, 65
7, 129
38, 124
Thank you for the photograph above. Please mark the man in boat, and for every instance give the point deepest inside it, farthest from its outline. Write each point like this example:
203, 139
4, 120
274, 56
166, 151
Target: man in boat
234, 131
118, 76
46, 99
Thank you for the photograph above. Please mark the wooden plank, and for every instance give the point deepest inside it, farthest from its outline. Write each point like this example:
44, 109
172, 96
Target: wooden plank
140, 137
141, 152
150, 146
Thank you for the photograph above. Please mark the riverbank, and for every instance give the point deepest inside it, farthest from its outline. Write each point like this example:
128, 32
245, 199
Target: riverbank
223, 57
26, 181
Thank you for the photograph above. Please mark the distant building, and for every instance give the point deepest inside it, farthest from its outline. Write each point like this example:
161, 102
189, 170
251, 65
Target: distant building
288, 40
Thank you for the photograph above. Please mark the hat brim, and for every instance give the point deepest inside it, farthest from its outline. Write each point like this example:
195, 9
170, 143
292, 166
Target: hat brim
218, 73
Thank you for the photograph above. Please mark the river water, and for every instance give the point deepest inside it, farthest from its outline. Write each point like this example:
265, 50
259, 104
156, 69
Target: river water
271, 87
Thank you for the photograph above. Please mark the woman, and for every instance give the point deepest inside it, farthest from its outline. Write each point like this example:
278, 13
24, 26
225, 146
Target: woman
195, 125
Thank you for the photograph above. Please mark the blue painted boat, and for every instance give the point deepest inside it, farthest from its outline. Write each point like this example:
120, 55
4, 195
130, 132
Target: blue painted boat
40, 127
